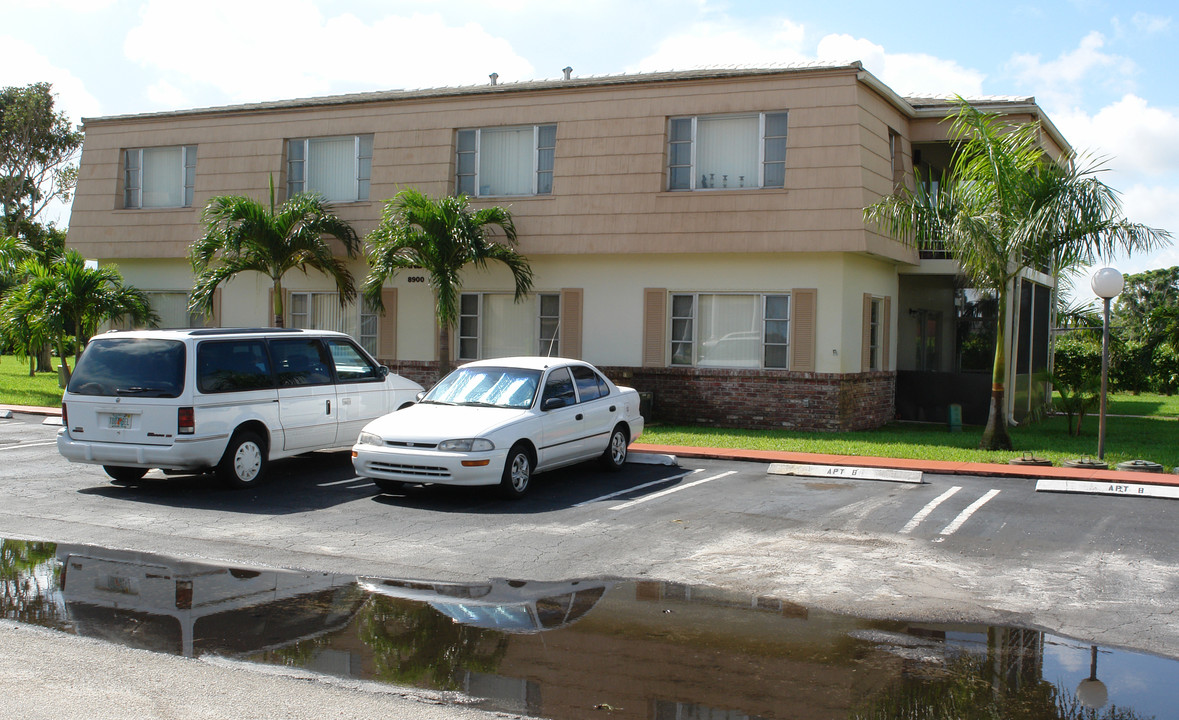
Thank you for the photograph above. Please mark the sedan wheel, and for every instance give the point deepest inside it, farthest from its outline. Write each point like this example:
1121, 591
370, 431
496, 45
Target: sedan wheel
517, 473
615, 455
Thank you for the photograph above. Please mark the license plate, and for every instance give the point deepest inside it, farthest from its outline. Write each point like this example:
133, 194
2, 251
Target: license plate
120, 421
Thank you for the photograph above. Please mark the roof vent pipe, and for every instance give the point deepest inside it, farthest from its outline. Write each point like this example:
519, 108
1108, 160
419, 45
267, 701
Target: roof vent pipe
568, 72
494, 77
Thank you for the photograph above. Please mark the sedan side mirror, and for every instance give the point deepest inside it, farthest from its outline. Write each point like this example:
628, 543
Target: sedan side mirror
553, 403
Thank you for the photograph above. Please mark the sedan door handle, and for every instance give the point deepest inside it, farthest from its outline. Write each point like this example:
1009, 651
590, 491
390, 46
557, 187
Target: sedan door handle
578, 416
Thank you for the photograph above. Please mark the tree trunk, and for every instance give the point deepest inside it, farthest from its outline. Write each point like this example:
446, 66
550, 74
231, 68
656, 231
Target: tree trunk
278, 309
443, 351
45, 358
995, 435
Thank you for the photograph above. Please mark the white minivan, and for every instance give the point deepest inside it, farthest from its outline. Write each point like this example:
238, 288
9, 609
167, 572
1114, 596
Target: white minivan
223, 399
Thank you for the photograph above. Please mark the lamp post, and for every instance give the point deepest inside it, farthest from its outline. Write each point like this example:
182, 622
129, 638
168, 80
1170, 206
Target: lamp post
1107, 283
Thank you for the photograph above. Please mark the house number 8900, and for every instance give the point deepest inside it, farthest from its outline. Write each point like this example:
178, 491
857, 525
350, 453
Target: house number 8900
416, 278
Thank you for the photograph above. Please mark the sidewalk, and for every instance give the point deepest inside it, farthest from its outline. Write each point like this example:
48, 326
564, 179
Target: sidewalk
939, 467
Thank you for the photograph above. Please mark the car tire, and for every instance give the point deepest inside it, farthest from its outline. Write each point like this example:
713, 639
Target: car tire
614, 456
389, 486
517, 475
120, 473
244, 462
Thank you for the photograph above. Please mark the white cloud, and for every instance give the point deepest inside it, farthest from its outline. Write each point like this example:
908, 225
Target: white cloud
164, 94
1151, 24
267, 49
1061, 82
723, 43
907, 73
1138, 139
24, 65
727, 43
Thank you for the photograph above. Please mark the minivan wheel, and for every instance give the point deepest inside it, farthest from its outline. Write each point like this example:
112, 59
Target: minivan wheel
124, 474
614, 457
244, 461
517, 473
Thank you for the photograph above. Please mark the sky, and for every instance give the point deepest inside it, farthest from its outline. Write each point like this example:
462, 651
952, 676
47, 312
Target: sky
1101, 69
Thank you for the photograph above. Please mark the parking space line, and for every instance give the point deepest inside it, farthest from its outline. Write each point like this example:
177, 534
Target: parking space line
637, 487
27, 445
925, 511
965, 514
668, 491
337, 482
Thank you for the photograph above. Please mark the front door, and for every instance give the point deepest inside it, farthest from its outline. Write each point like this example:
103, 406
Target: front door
563, 421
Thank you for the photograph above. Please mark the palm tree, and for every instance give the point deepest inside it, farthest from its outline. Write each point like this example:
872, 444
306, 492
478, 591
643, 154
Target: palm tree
65, 298
242, 234
442, 237
1004, 207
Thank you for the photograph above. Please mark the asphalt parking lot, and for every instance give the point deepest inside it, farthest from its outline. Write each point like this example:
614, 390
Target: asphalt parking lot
950, 547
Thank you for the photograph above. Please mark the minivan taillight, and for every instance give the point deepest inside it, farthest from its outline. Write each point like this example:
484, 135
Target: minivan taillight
185, 424
65, 420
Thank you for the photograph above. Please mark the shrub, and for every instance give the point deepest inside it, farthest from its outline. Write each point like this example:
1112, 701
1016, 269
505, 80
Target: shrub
1165, 376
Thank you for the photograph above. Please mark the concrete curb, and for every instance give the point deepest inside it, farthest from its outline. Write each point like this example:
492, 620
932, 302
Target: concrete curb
937, 467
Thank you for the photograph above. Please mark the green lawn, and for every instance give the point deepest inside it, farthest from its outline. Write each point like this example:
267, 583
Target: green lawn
1154, 439
17, 388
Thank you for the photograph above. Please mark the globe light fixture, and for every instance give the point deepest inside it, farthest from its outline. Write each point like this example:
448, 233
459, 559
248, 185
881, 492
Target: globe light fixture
1107, 283
1092, 693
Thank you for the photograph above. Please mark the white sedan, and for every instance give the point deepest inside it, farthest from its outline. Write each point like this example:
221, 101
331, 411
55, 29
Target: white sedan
498, 422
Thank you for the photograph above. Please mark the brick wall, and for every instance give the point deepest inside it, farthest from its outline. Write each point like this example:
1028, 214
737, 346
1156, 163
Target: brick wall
763, 398
743, 398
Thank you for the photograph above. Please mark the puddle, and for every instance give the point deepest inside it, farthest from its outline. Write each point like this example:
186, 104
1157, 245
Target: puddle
581, 648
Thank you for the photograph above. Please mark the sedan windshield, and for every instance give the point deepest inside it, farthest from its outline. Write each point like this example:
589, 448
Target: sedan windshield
486, 387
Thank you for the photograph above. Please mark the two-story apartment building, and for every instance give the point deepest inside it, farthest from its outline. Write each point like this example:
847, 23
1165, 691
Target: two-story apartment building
698, 235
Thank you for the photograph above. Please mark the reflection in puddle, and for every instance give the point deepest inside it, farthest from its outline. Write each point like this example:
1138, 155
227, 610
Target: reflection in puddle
581, 648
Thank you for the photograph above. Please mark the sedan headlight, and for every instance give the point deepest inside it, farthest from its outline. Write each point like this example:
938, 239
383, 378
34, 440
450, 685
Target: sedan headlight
466, 445
367, 438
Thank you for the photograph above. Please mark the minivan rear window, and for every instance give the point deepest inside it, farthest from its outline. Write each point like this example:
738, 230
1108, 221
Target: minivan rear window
135, 367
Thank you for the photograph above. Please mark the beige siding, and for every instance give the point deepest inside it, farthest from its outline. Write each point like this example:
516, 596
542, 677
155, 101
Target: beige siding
609, 172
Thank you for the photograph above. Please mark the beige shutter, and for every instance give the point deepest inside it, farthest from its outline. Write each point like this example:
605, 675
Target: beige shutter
570, 332
885, 331
866, 336
387, 326
804, 316
215, 319
654, 327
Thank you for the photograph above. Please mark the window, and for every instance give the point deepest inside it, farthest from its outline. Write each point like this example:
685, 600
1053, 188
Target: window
874, 335
506, 161
727, 152
161, 177
301, 362
351, 364
590, 385
322, 311
233, 366
558, 385
730, 330
339, 168
494, 325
